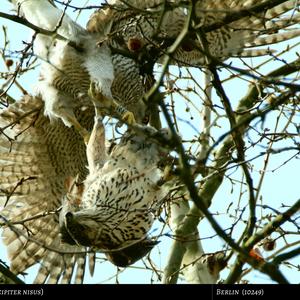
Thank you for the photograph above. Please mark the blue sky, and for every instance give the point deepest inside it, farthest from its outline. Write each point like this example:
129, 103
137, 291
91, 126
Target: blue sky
280, 186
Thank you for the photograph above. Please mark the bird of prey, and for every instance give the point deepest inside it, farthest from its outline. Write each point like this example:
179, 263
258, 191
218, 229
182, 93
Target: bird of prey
39, 158
146, 29
72, 61
111, 210
119, 198
191, 33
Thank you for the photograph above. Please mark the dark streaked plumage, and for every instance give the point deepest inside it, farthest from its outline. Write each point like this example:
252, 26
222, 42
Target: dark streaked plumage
120, 199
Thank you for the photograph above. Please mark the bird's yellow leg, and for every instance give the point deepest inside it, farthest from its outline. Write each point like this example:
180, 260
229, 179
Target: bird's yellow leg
98, 98
126, 115
111, 105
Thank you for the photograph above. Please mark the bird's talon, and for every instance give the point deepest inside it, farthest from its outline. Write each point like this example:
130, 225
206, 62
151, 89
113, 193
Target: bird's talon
94, 93
86, 136
91, 90
128, 117
102, 103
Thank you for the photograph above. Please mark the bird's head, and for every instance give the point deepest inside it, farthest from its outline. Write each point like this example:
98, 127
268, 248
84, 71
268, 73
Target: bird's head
75, 222
80, 228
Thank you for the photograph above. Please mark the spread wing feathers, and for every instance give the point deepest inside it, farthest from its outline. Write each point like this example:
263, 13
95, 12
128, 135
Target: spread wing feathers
237, 38
43, 14
259, 30
35, 159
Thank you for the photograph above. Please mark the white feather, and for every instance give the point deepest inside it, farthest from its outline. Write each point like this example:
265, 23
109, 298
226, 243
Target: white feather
43, 14
99, 65
53, 51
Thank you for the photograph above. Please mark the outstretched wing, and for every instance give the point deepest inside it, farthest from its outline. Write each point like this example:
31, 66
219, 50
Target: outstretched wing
36, 157
157, 23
